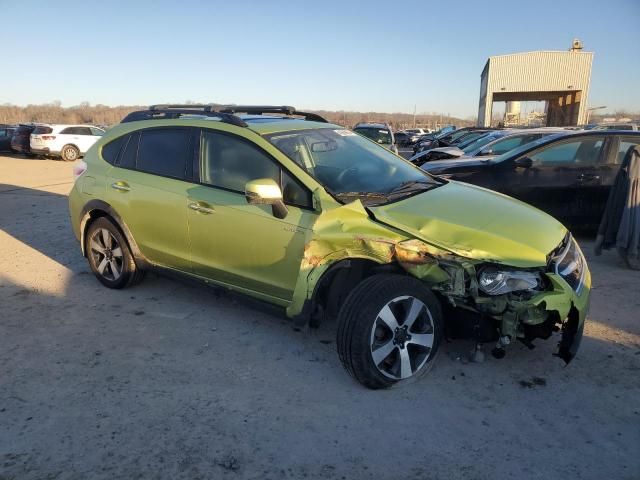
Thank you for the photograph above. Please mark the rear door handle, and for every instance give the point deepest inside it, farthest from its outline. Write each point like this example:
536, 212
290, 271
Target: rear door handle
121, 186
201, 207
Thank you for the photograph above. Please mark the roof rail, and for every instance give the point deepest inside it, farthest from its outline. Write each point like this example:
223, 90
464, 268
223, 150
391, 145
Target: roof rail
260, 109
225, 113
162, 112
183, 106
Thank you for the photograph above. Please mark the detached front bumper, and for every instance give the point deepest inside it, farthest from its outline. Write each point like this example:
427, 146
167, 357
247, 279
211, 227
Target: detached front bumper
571, 309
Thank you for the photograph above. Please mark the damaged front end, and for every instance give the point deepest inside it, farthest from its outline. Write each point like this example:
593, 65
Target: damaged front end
495, 298
501, 303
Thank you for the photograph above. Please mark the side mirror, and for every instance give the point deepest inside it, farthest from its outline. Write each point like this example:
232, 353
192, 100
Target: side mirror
488, 151
265, 191
524, 162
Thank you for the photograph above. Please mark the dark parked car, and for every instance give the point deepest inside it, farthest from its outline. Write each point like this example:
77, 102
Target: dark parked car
567, 176
448, 138
403, 138
378, 132
491, 144
20, 142
6, 132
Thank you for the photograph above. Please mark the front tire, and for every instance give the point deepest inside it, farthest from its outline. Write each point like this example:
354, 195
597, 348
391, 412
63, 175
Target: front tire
109, 255
70, 153
389, 330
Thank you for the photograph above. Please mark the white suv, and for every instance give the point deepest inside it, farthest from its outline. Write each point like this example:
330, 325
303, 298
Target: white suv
418, 131
67, 141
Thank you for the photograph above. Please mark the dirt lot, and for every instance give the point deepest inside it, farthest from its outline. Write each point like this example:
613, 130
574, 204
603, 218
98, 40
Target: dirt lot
170, 380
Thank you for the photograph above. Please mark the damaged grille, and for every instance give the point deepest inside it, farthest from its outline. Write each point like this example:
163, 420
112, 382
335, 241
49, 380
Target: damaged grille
568, 262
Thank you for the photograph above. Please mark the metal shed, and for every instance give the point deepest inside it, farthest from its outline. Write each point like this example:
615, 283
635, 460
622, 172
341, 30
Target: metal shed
561, 79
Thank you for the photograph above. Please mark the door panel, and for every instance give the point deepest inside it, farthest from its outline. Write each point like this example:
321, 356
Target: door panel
245, 245
237, 243
563, 179
153, 205
155, 210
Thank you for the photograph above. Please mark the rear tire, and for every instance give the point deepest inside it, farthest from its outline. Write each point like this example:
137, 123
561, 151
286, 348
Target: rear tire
109, 255
70, 153
389, 330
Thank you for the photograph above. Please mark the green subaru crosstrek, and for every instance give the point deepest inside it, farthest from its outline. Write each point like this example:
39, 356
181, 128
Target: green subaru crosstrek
285, 207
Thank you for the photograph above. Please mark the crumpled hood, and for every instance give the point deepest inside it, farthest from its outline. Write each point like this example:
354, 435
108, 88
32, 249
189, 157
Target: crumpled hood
476, 223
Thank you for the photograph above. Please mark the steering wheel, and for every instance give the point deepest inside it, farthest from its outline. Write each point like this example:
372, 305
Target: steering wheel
346, 174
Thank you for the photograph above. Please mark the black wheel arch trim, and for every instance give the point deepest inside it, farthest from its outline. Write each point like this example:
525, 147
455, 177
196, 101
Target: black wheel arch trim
88, 213
310, 307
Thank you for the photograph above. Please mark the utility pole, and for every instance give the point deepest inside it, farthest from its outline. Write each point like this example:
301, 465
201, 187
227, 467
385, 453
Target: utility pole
414, 115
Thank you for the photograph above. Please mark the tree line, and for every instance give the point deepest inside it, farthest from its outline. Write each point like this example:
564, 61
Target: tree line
107, 115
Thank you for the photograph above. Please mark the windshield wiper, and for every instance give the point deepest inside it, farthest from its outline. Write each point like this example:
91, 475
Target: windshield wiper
413, 185
366, 196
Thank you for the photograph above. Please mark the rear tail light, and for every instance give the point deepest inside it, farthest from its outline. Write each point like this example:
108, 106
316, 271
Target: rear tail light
48, 137
79, 168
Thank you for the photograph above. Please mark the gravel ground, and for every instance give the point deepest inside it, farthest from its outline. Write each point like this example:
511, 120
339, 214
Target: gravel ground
171, 380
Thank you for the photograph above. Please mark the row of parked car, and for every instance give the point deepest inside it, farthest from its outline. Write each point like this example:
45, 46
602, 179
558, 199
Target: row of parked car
68, 142
567, 172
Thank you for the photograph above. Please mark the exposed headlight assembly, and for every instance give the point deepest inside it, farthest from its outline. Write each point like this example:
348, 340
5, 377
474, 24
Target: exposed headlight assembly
498, 282
570, 265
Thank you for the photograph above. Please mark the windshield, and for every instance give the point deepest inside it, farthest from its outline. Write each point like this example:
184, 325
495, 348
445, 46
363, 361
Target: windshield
349, 165
378, 135
527, 146
469, 138
478, 143
451, 136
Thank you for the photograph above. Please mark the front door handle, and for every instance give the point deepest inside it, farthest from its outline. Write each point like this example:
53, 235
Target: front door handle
588, 177
121, 186
202, 208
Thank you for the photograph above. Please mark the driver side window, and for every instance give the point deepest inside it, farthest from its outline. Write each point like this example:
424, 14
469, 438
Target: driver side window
585, 151
229, 162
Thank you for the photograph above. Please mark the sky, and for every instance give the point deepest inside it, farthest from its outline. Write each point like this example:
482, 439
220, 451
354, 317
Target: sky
367, 55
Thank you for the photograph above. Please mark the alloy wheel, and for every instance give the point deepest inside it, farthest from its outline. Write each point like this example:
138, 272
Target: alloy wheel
402, 337
70, 154
107, 254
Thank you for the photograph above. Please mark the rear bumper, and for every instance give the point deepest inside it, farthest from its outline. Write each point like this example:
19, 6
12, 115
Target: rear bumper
43, 151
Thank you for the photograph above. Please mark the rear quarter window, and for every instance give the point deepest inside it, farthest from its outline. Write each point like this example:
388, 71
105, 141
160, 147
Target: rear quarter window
111, 151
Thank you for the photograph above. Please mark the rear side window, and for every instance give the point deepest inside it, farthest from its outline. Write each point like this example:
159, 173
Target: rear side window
112, 149
42, 130
165, 151
69, 131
